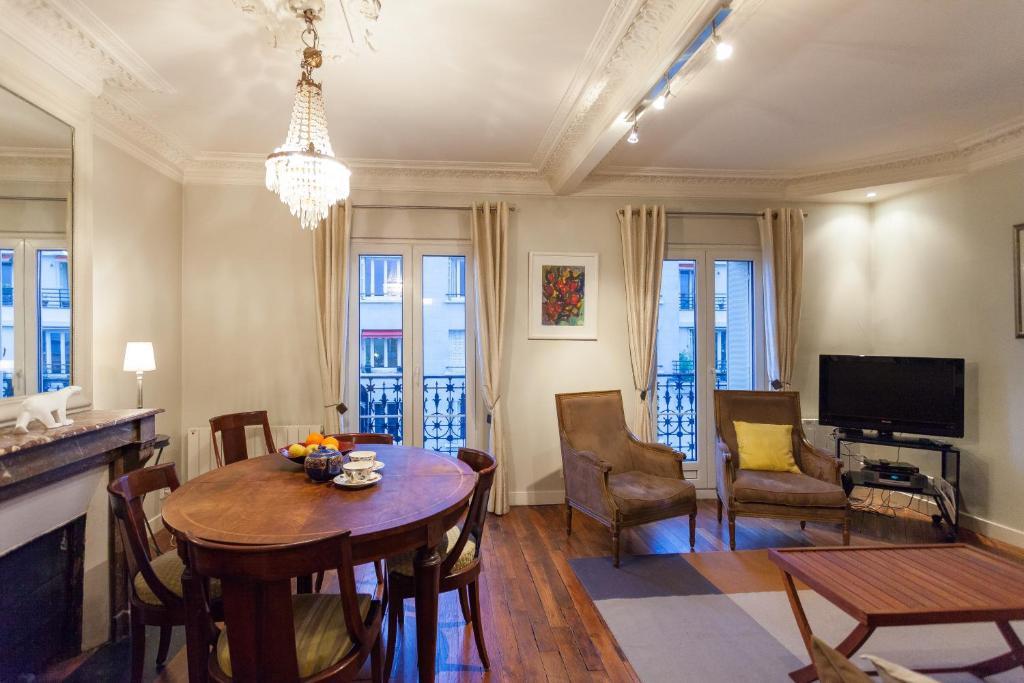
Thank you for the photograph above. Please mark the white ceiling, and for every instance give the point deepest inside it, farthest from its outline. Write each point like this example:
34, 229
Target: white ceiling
25, 126
450, 80
821, 84
820, 97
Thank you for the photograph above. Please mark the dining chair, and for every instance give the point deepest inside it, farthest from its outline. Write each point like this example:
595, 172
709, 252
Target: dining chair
460, 566
231, 428
365, 437
154, 581
272, 635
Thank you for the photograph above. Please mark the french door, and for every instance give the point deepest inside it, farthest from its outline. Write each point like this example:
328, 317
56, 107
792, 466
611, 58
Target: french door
710, 336
412, 344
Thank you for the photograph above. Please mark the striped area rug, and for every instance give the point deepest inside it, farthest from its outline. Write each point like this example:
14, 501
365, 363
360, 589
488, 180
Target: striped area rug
723, 616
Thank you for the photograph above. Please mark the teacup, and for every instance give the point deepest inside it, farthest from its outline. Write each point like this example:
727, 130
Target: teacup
358, 471
362, 456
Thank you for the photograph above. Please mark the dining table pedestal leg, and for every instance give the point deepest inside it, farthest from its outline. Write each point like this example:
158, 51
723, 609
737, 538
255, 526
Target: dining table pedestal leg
427, 570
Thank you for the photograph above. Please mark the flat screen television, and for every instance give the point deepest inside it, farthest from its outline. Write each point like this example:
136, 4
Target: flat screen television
892, 394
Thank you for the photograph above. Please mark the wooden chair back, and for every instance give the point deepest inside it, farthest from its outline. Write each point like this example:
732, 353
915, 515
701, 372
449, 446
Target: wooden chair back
233, 445
365, 437
484, 465
765, 407
256, 590
126, 494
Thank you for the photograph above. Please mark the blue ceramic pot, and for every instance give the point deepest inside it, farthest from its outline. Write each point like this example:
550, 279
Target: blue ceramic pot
323, 465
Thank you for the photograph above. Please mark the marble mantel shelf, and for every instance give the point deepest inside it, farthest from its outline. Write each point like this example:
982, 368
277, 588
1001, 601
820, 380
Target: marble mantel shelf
30, 461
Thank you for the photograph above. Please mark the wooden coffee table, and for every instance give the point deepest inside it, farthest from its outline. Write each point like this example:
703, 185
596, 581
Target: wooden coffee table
909, 585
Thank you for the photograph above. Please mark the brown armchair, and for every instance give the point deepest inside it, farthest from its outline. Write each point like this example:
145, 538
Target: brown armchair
612, 476
815, 494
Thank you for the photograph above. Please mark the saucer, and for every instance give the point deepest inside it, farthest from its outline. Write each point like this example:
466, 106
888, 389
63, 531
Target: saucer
378, 465
342, 481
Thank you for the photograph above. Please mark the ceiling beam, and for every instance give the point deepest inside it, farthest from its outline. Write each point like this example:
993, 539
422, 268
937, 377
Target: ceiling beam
639, 55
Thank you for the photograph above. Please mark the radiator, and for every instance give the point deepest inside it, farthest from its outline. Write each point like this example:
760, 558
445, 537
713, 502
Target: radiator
200, 455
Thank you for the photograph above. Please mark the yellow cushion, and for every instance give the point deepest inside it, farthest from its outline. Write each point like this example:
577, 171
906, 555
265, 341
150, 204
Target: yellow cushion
321, 637
766, 447
402, 564
168, 568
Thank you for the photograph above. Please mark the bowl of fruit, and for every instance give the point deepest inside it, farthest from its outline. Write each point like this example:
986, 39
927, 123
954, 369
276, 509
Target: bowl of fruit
314, 443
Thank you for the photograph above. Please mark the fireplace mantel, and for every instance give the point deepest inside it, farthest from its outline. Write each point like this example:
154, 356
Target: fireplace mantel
49, 477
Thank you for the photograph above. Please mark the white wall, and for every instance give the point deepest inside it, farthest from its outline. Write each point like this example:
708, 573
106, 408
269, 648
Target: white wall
136, 295
248, 305
942, 272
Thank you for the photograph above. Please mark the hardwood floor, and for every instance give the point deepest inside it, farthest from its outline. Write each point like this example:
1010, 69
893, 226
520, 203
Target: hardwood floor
539, 622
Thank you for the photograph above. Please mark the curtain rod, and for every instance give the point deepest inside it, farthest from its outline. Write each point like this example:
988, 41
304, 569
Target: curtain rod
743, 214
419, 206
33, 199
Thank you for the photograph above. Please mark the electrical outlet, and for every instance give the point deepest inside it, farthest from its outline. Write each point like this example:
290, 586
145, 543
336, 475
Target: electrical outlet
164, 492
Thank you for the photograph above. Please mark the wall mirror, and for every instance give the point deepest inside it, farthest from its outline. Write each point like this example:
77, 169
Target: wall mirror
36, 208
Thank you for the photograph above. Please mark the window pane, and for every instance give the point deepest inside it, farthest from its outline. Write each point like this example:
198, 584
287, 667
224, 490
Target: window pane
444, 353
380, 363
53, 303
675, 394
7, 323
734, 325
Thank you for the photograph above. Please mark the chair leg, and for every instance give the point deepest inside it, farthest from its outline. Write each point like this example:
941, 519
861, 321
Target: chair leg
719, 508
693, 529
615, 545
319, 582
376, 660
401, 614
846, 531
803, 524
732, 531
378, 568
478, 624
394, 614
165, 644
464, 603
568, 519
138, 648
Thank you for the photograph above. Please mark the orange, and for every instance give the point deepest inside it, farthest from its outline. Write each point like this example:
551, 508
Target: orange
330, 441
314, 438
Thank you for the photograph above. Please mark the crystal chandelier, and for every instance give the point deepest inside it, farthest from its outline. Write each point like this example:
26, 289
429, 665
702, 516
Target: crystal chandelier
303, 171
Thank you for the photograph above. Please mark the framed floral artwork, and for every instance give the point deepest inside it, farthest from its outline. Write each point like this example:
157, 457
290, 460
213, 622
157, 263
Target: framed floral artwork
563, 295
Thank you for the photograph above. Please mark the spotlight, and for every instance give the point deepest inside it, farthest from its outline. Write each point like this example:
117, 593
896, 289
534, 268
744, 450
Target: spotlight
634, 135
660, 101
723, 50
871, 195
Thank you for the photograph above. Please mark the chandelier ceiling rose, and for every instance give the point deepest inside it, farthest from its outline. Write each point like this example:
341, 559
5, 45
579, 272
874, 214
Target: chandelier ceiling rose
304, 171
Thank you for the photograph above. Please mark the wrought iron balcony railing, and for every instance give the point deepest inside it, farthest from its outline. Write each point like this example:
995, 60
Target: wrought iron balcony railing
676, 396
53, 297
444, 409
687, 299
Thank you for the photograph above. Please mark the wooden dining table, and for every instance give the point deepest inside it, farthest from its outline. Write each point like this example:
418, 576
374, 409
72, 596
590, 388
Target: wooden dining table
269, 500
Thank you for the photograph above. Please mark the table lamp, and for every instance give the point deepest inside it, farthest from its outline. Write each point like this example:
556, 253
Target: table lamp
138, 358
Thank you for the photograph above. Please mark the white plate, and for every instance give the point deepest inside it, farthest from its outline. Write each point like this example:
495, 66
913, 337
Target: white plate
342, 481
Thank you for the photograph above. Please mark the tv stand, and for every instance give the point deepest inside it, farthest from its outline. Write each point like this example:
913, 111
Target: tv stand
947, 498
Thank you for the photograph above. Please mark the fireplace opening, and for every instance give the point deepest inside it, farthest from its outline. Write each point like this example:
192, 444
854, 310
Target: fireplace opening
41, 601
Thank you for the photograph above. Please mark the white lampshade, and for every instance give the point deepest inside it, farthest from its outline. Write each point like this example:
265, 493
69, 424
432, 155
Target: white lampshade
138, 357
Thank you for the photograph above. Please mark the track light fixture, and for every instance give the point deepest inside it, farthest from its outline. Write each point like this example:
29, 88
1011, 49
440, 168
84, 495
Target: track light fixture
634, 135
723, 50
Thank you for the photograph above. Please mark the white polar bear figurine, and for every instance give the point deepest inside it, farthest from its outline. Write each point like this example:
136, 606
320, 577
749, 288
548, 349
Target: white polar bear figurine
42, 407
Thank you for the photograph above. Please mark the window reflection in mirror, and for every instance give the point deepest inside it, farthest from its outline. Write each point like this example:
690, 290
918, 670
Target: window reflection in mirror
35, 270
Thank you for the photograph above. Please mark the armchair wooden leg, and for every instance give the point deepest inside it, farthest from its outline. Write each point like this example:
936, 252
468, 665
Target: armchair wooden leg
732, 530
846, 531
137, 634
464, 604
568, 519
693, 529
803, 524
478, 624
394, 619
719, 508
165, 644
615, 545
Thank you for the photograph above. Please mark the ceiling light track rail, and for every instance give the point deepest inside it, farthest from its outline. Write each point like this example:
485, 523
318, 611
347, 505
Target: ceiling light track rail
420, 207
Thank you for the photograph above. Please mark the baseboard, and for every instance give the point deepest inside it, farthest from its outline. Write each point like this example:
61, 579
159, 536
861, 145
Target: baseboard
550, 497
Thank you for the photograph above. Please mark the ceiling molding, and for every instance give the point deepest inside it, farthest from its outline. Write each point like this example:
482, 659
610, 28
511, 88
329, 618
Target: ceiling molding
35, 164
123, 123
68, 36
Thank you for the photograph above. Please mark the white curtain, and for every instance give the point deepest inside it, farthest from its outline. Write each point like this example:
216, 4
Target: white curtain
782, 250
331, 255
490, 272
643, 253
